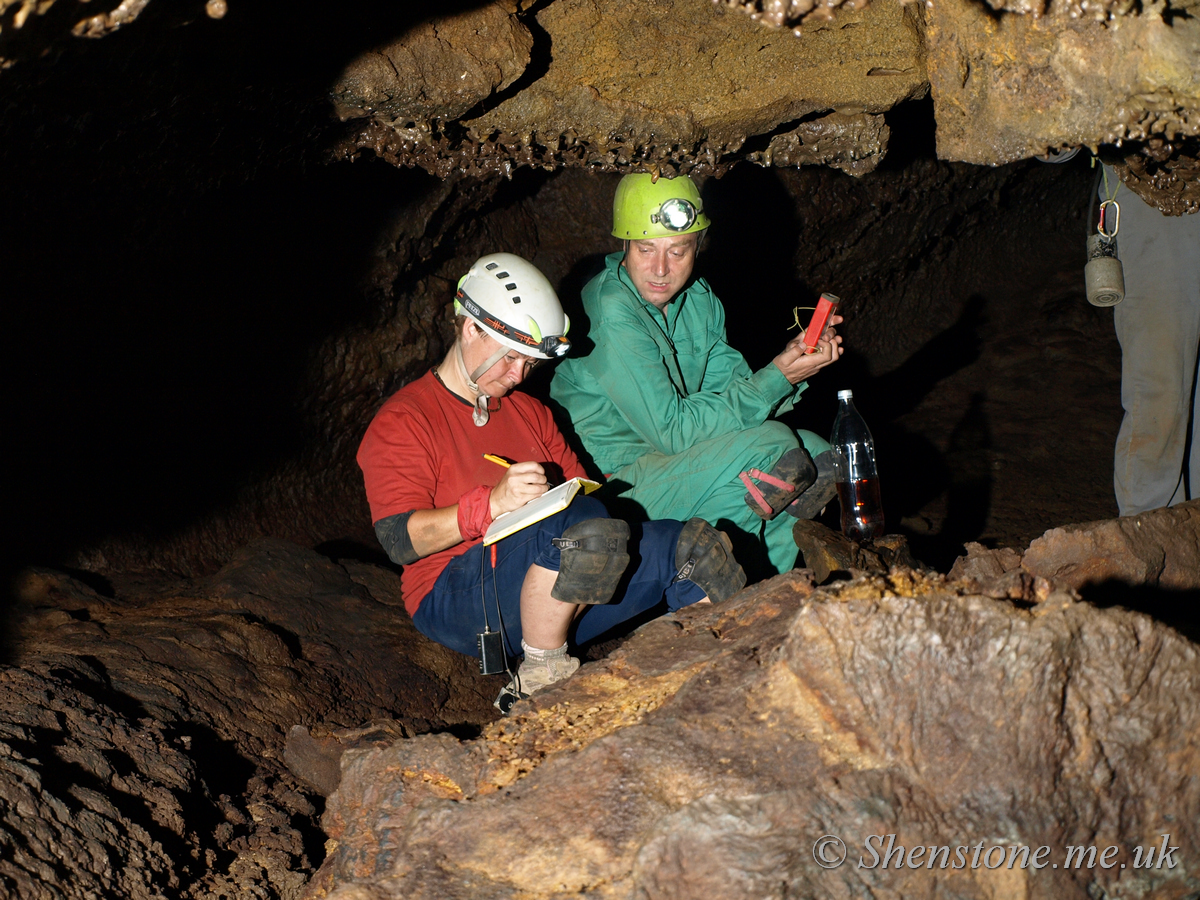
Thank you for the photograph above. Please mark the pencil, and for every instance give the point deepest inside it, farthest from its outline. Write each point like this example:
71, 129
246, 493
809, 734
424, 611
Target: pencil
491, 457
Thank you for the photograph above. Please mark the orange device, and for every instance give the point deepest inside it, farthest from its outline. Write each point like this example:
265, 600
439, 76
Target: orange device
826, 307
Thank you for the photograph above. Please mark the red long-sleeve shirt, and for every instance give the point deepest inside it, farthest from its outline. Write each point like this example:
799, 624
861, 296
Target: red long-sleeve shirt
423, 451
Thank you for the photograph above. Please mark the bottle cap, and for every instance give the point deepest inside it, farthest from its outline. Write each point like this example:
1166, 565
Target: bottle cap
845, 395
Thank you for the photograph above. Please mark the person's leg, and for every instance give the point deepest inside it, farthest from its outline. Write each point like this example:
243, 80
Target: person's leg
813, 443
821, 492
470, 595
651, 584
1158, 326
704, 482
544, 620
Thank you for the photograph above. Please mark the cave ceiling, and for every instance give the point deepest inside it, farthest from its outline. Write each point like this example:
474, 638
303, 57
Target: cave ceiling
695, 86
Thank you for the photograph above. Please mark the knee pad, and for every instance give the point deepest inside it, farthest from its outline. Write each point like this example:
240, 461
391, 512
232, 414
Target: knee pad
595, 554
704, 556
792, 474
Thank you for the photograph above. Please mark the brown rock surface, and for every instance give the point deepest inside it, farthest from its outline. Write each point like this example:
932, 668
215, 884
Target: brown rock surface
708, 754
680, 82
826, 552
853, 143
1160, 548
1008, 87
142, 734
438, 69
1165, 174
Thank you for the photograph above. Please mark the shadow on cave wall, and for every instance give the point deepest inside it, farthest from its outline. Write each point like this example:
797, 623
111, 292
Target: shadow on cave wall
173, 249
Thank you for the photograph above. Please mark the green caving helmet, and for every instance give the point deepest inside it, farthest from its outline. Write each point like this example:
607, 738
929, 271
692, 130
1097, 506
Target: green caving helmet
646, 207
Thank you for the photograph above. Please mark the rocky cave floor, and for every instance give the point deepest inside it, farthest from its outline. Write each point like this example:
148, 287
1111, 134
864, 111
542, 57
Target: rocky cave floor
143, 716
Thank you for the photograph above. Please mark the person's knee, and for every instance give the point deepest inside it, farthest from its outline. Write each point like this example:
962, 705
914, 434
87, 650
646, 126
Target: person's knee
767, 442
594, 554
579, 510
704, 556
813, 443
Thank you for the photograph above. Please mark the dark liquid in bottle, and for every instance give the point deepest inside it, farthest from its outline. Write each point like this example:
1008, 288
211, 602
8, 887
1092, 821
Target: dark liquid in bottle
862, 510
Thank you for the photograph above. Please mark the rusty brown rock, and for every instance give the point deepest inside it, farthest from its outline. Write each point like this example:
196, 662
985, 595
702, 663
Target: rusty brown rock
1160, 548
827, 552
980, 563
708, 754
438, 69
1008, 87
142, 735
680, 83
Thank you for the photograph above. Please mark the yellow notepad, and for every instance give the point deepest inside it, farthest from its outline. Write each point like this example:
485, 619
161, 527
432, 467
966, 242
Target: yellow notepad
554, 500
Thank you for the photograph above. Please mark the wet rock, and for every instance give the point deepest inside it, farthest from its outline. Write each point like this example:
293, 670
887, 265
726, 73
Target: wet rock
709, 753
1166, 174
676, 84
1160, 548
1065, 79
853, 143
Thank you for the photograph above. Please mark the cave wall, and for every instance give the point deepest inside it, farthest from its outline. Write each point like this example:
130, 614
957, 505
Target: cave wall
207, 311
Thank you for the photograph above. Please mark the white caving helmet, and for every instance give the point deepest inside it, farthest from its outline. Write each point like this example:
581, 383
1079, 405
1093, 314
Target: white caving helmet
513, 302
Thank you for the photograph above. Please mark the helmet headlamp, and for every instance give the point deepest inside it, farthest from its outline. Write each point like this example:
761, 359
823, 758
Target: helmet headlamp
675, 214
555, 346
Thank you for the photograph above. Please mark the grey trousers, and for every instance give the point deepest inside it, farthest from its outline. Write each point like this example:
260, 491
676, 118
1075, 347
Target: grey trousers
1158, 326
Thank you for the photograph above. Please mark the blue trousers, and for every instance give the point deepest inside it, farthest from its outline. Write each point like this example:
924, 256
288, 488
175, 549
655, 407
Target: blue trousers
468, 594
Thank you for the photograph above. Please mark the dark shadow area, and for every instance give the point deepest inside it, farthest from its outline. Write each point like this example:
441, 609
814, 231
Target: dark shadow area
1179, 609
173, 248
337, 551
913, 134
154, 382
748, 258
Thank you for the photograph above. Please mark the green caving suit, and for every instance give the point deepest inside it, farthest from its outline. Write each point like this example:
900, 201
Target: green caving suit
671, 414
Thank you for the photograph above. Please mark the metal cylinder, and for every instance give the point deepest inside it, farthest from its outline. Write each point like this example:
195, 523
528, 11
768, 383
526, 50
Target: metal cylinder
1103, 274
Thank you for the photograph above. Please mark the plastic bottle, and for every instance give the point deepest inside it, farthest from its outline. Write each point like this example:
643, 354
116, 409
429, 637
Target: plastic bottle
857, 477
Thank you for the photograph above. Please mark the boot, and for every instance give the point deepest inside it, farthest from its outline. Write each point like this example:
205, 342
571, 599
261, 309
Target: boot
820, 493
539, 669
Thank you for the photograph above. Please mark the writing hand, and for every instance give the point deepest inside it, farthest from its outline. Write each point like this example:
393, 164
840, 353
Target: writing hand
521, 483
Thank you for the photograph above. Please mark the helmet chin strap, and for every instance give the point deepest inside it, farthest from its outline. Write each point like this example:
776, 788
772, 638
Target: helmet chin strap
479, 415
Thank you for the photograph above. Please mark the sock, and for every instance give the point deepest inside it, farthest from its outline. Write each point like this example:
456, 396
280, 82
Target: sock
534, 654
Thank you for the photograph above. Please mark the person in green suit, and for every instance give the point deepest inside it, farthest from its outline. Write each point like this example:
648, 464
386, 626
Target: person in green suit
671, 415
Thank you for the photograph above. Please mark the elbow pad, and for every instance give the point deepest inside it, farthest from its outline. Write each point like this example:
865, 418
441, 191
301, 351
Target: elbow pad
393, 537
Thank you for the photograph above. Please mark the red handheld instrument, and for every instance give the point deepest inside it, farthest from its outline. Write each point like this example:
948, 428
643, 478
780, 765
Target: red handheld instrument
826, 307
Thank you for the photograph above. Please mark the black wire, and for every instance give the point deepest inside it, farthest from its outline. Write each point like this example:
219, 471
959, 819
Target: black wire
482, 588
1087, 226
503, 635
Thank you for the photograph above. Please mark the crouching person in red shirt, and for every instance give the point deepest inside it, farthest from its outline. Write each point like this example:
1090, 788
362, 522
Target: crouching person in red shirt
433, 494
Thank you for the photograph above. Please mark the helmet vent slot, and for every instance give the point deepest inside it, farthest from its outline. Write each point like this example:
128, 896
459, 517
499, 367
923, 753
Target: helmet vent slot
491, 266
502, 275
511, 286
516, 299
